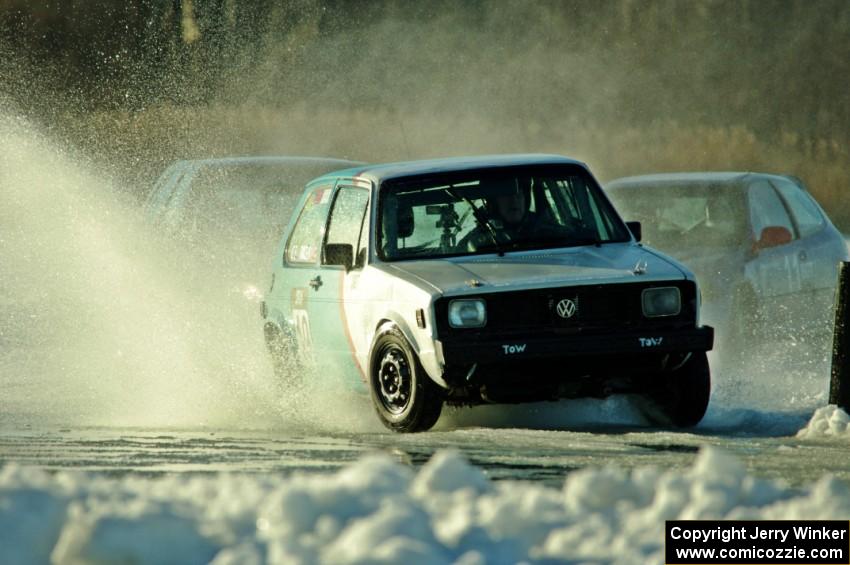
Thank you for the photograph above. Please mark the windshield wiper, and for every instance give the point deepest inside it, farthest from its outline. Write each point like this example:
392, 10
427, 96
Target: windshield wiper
585, 236
481, 218
588, 240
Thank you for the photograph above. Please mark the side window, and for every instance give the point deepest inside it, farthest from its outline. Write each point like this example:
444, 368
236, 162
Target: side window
347, 217
766, 209
806, 213
306, 239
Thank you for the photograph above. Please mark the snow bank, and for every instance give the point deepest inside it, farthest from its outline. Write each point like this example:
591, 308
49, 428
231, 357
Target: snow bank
380, 511
826, 422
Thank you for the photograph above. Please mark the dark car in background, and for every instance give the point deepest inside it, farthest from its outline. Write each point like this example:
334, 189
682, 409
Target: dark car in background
225, 214
233, 195
763, 249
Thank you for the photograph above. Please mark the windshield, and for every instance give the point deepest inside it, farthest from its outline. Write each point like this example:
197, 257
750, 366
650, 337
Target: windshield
494, 211
680, 217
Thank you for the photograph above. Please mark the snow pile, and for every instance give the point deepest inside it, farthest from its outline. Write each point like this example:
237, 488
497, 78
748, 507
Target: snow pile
828, 421
380, 511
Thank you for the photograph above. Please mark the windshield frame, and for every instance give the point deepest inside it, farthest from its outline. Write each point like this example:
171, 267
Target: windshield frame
452, 178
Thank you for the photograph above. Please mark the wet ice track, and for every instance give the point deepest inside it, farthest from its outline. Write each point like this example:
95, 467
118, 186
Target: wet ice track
547, 456
457, 495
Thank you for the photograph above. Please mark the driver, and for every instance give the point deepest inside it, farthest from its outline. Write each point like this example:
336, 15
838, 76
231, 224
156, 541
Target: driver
511, 209
509, 213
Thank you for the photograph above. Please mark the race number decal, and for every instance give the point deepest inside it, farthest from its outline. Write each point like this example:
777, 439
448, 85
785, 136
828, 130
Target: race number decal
302, 323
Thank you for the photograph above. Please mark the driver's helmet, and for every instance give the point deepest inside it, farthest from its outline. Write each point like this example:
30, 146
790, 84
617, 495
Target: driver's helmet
503, 202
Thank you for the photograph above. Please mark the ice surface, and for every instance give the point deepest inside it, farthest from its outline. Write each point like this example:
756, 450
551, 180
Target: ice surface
380, 511
827, 422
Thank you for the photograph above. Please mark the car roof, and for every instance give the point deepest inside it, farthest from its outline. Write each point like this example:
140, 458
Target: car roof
194, 166
685, 178
381, 172
267, 159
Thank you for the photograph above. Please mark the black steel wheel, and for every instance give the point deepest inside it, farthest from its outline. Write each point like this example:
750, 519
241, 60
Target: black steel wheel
405, 398
680, 395
394, 378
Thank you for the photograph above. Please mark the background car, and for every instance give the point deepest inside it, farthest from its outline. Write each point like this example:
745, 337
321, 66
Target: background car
233, 194
764, 251
232, 208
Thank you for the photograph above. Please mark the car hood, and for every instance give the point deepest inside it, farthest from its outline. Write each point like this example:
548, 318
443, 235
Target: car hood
612, 263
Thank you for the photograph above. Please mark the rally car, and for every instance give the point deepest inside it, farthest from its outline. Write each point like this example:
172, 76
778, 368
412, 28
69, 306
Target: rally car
497, 279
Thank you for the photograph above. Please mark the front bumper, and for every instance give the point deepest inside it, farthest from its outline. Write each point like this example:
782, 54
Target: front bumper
465, 352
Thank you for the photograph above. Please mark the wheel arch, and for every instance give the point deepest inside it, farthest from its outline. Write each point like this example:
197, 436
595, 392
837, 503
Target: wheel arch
390, 321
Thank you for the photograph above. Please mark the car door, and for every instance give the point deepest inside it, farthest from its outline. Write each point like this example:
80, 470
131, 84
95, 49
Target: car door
820, 250
299, 279
817, 247
335, 349
774, 267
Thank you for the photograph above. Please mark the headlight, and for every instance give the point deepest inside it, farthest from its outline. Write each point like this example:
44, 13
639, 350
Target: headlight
467, 313
662, 301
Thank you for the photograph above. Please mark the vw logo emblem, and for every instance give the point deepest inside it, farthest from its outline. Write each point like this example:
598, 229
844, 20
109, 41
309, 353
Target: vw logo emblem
566, 308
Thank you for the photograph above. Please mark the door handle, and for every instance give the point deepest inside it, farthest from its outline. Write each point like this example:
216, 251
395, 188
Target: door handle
316, 283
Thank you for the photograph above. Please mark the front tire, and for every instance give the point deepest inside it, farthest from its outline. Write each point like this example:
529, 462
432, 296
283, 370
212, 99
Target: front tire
405, 398
680, 397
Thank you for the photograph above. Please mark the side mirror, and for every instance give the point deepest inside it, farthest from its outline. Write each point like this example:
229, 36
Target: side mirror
339, 254
772, 236
636, 230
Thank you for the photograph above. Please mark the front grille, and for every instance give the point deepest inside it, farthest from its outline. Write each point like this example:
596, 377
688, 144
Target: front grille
598, 308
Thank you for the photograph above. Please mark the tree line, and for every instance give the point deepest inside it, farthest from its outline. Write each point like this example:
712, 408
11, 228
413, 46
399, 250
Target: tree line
777, 67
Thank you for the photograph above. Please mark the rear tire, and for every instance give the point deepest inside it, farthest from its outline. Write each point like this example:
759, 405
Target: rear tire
680, 397
284, 356
405, 398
